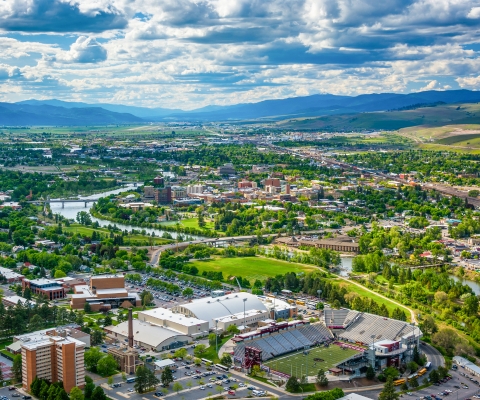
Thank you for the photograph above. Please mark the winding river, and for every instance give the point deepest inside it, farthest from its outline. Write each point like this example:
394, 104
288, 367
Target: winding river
71, 209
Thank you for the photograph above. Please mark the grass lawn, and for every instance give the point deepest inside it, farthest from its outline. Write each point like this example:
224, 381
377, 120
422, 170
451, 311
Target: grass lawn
365, 293
211, 354
190, 223
296, 363
250, 267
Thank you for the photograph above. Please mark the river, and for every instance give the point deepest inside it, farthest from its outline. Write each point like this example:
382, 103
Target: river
71, 210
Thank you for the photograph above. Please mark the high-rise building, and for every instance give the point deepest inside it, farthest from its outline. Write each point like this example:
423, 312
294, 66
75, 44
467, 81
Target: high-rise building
164, 195
148, 192
54, 358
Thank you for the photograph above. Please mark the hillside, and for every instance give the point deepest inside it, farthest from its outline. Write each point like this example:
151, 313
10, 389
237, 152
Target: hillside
42, 114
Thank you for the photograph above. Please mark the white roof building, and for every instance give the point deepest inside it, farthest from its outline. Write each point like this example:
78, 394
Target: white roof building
175, 321
211, 309
469, 366
148, 335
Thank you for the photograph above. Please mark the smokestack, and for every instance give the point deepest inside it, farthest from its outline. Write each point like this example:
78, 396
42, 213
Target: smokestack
130, 328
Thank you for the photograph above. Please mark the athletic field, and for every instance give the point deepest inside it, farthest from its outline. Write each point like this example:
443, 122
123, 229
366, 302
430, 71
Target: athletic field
296, 363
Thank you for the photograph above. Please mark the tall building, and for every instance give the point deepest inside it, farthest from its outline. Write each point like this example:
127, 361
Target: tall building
55, 358
164, 195
148, 192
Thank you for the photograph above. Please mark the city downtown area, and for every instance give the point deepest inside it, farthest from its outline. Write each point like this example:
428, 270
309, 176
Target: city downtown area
230, 261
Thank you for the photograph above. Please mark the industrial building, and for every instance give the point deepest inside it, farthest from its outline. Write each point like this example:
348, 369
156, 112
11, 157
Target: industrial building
104, 293
180, 323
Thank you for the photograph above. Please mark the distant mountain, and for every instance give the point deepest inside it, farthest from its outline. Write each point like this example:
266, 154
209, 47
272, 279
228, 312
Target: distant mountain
141, 112
14, 114
57, 112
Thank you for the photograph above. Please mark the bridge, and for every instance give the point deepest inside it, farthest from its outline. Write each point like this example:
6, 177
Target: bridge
63, 201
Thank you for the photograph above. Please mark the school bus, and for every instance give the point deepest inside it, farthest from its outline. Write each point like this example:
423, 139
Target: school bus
300, 302
422, 371
399, 382
291, 301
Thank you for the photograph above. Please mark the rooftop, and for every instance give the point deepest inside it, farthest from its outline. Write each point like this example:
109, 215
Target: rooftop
164, 313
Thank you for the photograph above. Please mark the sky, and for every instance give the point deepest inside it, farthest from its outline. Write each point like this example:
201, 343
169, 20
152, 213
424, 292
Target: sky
191, 53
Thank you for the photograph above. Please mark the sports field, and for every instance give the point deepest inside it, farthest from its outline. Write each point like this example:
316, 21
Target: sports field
251, 267
296, 363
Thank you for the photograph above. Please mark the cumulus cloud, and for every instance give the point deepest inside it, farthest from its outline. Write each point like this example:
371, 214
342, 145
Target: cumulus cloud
84, 50
59, 16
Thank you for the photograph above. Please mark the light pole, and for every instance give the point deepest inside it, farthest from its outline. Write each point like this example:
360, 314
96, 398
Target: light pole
274, 314
244, 301
373, 351
319, 292
216, 337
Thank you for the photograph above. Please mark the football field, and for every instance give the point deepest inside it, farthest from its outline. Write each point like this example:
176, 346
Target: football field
298, 364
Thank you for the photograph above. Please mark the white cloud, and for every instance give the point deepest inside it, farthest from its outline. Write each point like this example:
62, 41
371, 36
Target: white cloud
84, 50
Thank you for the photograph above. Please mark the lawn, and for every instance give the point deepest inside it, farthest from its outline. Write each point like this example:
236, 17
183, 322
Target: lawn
251, 267
365, 293
296, 363
190, 223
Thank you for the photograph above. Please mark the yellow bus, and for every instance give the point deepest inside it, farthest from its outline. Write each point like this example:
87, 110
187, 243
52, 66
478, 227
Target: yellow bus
291, 301
422, 371
300, 303
399, 382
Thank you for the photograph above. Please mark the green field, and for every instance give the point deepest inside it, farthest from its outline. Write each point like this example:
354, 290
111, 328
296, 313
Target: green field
251, 267
298, 364
190, 223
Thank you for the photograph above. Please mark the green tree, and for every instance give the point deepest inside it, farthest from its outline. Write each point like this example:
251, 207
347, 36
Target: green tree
43, 391
167, 376
87, 307
110, 380
404, 386
370, 373
97, 337
107, 365
177, 386
429, 326
199, 350
35, 386
89, 388
181, 353
59, 274
292, 386
226, 360
211, 339
388, 392
414, 382
321, 378
434, 377
17, 368
76, 394
187, 292
233, 330
98, 394
92, 357
146, 379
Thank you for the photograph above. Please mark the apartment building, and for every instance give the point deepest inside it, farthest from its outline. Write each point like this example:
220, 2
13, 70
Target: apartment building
55, 358
49, 288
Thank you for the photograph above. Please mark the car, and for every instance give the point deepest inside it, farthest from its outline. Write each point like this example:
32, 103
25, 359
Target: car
209, 385
233, 379
130, 390
456, 387
251, 388
26, 397
158, 394
198, 371
409, 393
213, 380
241, 384
226, 388
12, 388
231, 392
465, 386
187, 367
15, 395
202, 387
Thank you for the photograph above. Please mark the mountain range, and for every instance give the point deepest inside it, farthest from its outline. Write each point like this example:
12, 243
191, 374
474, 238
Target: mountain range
57, 112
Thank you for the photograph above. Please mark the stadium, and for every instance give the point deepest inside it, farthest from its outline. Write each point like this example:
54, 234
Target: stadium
345, 342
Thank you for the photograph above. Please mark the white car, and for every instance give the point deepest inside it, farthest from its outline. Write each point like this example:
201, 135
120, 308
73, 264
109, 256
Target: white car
202, 387
210, 385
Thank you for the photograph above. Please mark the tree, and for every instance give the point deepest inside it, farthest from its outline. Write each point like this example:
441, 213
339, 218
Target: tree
107, 321
59, 274
212, 337
226, 360
17, 368
429, 326
321, 378
187, 292
414, 382
124, 376
107, 365
181, 353
89, 388
388, 392
97, 337
446, 338
412, 365
99, 394
292, 386
76, 394
87, 307
61, 394
35, 386
146, 379
199, 350
434, 377
167, 376
370, 373
470, 305
92, 357
404, 386
43, 391
177, 386
233, 330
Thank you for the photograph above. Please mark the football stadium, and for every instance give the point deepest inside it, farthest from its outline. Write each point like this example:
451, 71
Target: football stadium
345, 342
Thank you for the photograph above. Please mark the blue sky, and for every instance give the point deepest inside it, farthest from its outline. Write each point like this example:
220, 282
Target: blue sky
192, 53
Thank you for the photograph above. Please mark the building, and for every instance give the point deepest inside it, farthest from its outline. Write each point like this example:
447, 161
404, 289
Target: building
212, 309
178, 192
54, 358
103, 293
242, 320
195, 189
49, 288
275, 182
10, 276
470, 367
137, 206
227, 169
158, 180
160, 365
164, 195
148, 192
11, 301
148, 336
244, 184
340, 243
175, 321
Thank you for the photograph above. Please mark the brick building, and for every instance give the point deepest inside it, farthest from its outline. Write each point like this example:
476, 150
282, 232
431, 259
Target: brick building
49, 288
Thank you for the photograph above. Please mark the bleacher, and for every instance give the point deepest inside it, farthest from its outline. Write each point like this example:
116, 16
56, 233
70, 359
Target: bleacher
286, 341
